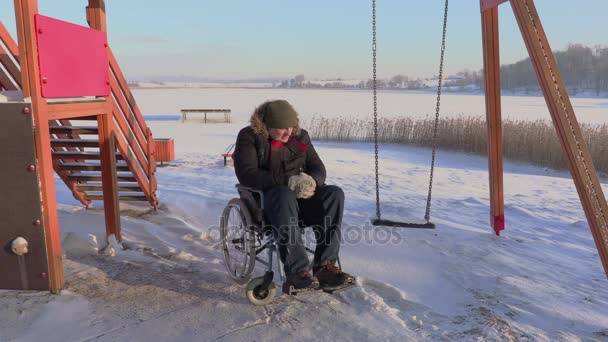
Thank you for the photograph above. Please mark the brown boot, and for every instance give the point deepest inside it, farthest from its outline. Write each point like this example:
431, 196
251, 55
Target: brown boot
331, 277
300, 282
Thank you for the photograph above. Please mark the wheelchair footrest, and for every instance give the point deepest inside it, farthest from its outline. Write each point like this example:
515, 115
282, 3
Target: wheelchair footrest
291, 291
340, 288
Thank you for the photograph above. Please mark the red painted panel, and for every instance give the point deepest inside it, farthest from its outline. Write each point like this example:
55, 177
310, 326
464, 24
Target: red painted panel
73, 59
488, 4
499, 223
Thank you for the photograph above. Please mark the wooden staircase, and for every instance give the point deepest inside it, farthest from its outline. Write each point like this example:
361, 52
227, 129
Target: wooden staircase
77, 161
75, 148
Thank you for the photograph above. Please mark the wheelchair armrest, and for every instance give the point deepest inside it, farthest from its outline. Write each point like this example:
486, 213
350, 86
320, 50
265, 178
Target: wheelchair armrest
260, 193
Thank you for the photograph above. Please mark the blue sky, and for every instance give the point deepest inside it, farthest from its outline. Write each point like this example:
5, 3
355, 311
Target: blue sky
236, 39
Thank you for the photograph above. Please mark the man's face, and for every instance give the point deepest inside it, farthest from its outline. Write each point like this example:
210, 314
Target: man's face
280, 134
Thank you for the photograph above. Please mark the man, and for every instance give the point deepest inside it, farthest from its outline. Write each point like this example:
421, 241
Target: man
276, 156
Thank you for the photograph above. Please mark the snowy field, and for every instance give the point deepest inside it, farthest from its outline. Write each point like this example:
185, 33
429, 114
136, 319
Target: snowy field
351, 103
542, 280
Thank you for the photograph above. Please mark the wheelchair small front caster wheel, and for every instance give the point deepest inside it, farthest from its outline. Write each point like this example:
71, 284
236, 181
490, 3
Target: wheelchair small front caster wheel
258, 294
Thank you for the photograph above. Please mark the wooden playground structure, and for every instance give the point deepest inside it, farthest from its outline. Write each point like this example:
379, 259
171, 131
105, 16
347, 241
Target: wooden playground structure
64, 73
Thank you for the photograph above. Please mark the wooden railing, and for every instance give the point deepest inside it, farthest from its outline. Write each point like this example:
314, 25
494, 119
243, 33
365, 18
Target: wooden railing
6, 82
134, 138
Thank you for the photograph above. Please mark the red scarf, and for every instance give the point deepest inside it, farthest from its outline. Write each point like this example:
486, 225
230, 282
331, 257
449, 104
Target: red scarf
275, 144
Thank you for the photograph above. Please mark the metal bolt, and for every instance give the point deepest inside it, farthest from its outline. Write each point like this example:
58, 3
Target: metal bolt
43, 275
44, 80
38, 223
26, 111
31, 168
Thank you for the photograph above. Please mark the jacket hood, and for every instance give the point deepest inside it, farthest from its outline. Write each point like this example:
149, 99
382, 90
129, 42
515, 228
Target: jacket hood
257, 123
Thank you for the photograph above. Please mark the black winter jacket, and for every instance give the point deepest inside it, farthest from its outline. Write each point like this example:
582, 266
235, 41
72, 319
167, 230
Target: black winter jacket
262, 164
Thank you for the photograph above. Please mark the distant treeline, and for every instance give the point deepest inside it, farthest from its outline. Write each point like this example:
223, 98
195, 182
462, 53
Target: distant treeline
582, 68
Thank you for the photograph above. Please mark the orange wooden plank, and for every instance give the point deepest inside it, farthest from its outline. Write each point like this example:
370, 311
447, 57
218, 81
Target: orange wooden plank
6, 61
58, 111
107, 150
107, 138
126, 91
493, 114
127, 135
24, 14
124, 114
563, 116
490, 4
9, 41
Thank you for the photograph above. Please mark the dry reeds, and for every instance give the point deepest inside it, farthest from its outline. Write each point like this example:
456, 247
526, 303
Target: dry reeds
529, 141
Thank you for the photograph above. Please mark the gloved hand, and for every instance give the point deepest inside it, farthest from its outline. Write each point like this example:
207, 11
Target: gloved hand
303, 185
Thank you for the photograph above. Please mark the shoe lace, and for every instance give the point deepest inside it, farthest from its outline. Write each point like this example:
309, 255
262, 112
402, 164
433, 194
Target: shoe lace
332, 268
305, 275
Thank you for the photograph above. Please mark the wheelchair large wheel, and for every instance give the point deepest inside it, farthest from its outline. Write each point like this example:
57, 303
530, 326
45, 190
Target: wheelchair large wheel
238, 240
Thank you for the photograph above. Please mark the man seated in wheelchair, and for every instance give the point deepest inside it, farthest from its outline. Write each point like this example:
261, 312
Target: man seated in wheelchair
276, 156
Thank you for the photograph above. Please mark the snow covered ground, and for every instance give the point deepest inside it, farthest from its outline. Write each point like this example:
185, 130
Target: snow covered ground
541, 280
358, 103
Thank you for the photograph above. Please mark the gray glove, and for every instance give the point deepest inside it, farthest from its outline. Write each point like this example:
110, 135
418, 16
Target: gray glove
303, 185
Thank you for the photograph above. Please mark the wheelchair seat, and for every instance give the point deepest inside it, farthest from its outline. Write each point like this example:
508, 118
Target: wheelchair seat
254, 200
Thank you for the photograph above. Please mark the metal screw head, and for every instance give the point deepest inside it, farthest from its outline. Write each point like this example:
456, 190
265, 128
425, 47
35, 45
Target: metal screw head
26, 111
43, 275
38, 223
44, 80
31, 168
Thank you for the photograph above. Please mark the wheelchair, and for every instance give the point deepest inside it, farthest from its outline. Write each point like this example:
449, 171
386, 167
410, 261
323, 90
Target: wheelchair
245, 236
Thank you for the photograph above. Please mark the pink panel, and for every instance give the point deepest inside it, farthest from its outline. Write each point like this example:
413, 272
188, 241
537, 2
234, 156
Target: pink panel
73, 59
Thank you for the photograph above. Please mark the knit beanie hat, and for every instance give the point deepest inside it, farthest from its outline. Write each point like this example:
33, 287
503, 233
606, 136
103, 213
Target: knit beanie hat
280, 114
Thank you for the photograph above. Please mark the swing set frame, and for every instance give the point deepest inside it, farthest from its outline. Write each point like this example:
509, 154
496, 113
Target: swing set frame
562, 113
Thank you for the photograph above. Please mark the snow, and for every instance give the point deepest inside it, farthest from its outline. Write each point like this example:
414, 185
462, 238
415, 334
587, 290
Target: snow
358, 103
542, 280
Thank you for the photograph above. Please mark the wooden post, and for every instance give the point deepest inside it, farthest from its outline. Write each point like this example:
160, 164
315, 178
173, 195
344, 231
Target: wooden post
107, 150
491, 65
564, 119
96, 17
30, 76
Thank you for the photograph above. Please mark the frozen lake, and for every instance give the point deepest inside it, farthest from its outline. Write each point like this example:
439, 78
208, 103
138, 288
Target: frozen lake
356, 103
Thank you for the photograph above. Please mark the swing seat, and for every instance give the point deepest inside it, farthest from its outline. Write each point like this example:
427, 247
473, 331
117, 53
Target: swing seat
389, 223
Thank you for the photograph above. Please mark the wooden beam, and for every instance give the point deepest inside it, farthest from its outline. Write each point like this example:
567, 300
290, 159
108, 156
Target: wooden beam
573, 144
491, 63
130, 128
30, 76
135, 114
9, 42
490, 4
96, 17
74, 110
107, 149
6, 60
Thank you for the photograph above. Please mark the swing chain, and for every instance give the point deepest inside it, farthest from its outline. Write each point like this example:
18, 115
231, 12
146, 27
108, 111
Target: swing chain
375, 89
427, 214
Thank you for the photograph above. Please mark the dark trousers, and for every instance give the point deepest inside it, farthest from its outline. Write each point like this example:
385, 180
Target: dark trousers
323, 212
